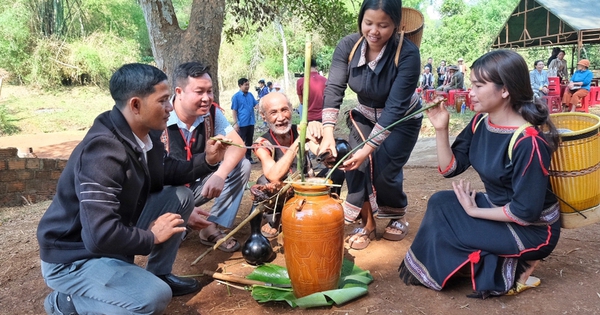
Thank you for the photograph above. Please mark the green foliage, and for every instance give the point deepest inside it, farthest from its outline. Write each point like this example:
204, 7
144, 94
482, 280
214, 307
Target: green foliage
353, 284
91, 59
14, 38
330, 18
7, 123
121, 18
452, 7
466, 32
48, 43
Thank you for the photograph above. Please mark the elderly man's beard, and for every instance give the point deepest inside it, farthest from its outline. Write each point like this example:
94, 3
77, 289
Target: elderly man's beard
279, 130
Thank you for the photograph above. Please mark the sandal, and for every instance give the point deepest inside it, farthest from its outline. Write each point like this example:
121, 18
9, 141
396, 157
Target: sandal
396, 230
362, 238
229, 246
268, 231
519, 287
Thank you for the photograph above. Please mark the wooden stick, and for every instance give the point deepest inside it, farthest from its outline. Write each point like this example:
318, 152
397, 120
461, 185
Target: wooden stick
258, 208
232, 278
313, 184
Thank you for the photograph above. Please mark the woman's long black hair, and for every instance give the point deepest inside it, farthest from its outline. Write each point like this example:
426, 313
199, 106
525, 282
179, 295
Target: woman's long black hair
506, 68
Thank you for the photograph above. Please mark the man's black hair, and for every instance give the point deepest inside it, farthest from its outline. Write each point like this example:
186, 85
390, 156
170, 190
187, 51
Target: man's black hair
241, 81
192, 69
313, 63
134, 79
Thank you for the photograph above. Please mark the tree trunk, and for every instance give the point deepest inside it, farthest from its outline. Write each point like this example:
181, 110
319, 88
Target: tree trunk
201, 41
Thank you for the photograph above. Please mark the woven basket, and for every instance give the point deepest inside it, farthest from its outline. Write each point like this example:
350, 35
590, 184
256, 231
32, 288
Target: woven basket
412, 25
575, 168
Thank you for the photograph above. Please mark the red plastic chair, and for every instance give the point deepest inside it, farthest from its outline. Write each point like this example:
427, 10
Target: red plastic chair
585, 104
553, 102
429, 95
451, 95
594, 96
554, 82
554, 91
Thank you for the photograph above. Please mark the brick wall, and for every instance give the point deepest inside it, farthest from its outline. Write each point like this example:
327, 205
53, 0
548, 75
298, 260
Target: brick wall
24, 180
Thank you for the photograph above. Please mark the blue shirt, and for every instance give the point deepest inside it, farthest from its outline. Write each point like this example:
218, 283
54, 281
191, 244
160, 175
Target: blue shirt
584, 76
262, 92
244, 104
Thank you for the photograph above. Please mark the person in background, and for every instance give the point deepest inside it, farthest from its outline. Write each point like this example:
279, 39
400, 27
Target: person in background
539, 79
497, 237
553, 55
112, 204
242, 107
277, 88
429, 64
462, 68
316, 89
193, 121
262, 89
277, 150
558, 67
427, 79
375, 171
270, 86
578, 87
456, 81
441, 72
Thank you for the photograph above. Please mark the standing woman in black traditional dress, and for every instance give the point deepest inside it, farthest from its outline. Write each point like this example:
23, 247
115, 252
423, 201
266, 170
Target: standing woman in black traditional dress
500, 235
383, 70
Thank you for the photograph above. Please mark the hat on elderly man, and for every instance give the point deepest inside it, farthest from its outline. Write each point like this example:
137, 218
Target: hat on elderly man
584, 62
452, 67
460, 59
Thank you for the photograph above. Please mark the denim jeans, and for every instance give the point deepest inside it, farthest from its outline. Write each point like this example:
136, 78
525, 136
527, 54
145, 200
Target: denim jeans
226, 206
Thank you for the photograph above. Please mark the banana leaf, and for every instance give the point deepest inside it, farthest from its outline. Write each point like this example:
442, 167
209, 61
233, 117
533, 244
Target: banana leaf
353, 284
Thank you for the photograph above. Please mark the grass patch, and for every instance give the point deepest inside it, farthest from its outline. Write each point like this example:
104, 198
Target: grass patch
36, 111
7, 122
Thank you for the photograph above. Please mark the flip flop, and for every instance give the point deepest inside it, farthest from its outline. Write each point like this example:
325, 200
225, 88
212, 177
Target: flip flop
216, 236
361, 234
268, 231
519, 287
391, 233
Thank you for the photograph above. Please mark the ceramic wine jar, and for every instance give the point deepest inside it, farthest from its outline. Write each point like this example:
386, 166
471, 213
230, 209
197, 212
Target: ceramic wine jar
313, 235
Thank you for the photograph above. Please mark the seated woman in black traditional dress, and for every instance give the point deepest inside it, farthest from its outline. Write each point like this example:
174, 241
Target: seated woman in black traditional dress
499, 235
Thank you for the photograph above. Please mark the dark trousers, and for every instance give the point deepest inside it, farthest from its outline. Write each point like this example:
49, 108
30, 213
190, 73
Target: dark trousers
247, 134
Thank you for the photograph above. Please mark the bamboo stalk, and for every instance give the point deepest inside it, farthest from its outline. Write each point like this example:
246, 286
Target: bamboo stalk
304, 118
405, 118
258, 208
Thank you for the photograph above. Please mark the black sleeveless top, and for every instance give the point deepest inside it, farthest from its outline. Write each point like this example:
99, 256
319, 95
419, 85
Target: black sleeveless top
176, 145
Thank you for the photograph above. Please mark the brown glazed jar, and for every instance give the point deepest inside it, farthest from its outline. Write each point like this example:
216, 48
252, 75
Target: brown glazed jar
313, 237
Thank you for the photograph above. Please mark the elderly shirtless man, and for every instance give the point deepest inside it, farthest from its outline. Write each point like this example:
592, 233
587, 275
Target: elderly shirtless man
277, 149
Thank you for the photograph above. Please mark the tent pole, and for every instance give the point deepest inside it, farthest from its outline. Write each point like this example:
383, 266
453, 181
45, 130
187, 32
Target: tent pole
572, 59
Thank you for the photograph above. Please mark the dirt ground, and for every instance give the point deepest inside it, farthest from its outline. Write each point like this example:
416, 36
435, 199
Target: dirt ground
570, 276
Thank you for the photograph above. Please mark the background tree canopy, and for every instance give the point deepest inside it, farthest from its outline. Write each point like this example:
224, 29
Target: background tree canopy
52, 42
